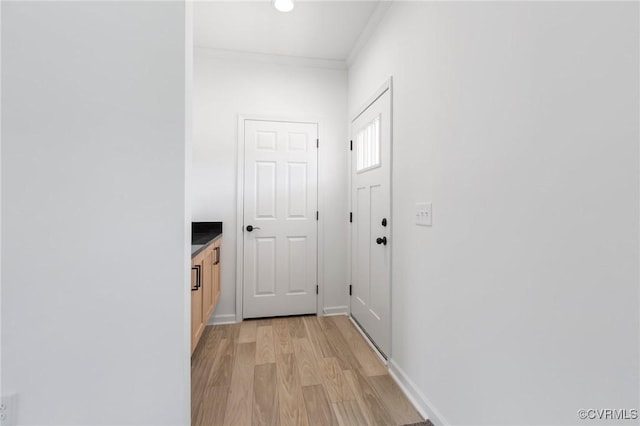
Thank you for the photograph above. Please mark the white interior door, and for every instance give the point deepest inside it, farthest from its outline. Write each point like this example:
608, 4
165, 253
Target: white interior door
370, 230
280, 222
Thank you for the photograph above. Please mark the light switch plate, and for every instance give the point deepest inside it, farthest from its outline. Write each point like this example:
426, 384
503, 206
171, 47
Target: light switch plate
423, 214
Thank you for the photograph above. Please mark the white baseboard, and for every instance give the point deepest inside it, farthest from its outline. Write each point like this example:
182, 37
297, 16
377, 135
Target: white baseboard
335, 310
222, 319
422, 404
232, 318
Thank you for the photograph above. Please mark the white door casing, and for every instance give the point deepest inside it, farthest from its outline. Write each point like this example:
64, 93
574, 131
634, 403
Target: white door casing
280, 203
371, 227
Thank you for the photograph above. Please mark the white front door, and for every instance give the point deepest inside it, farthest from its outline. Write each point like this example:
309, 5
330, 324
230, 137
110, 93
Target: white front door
370, 230
280, 222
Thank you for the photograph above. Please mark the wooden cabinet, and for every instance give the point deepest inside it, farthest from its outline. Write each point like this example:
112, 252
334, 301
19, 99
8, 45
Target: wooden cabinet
216, 272
197, 315
207, 283
205, 289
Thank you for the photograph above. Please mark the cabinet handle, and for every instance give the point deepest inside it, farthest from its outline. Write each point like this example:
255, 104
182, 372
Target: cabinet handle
217, 250
197, 268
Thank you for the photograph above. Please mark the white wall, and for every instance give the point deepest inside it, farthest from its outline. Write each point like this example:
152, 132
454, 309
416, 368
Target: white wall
94, 277
227, 85
519, 121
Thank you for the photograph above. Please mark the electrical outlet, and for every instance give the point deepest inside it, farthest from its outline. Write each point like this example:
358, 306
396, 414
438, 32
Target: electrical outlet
423, 214
8, 409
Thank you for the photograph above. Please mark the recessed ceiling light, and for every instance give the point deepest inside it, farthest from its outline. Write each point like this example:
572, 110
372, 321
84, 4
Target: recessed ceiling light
283, 5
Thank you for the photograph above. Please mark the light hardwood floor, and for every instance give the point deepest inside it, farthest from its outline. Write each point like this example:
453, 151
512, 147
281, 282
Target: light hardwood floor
293, 371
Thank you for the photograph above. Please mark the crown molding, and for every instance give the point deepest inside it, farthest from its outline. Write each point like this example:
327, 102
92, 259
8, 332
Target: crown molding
297, 61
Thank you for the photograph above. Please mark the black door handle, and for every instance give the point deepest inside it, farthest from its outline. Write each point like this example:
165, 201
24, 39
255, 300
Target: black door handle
382, 241
251, 228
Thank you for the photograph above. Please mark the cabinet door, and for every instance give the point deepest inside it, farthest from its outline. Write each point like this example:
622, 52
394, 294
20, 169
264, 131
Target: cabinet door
207, 283
197, 314
216, 272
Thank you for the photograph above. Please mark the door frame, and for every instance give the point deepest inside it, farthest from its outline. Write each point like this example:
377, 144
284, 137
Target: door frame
240, 211
386, 86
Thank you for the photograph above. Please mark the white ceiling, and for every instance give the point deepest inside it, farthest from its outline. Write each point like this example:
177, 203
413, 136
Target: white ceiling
314, 29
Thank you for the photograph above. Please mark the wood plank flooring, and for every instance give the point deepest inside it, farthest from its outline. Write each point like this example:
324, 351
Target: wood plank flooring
293, 371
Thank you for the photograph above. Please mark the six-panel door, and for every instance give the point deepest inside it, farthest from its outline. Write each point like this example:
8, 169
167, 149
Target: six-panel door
280, 204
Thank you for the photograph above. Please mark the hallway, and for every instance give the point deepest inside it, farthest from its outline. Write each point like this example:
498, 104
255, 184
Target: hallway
296, 370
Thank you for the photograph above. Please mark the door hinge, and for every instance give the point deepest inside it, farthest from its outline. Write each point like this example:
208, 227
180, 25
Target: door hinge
317, 143
350, 217
317, 215
350, 145
350, 289
316, 289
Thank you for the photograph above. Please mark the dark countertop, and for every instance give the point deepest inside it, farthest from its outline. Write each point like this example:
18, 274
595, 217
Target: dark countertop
203, 234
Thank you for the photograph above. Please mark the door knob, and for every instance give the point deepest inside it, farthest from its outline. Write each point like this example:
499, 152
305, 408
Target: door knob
382, 241
251, 228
